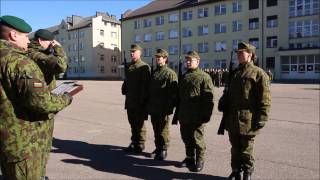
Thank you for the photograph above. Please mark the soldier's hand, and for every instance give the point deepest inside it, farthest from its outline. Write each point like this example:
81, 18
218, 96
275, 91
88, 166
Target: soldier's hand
69, 96
54, 42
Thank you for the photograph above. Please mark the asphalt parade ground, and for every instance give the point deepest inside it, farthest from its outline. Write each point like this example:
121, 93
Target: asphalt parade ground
90, 134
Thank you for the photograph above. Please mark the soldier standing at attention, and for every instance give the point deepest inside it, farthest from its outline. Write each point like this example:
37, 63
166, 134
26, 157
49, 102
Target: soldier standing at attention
52, 60
249, 103
196, 105
25, 104
135, 88
162, 97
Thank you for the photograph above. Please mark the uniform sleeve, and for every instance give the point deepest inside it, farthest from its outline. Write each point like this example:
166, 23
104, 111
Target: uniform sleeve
207, 97
263, 99
33, 91
55, 63
173, 89
145, 80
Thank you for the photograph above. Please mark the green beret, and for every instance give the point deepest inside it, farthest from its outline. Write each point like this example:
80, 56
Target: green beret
44, 34
16, 23
135, 47
162, 53
193, 54
242, 46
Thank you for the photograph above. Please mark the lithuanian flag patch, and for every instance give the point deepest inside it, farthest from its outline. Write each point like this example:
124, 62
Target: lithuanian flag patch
37, 85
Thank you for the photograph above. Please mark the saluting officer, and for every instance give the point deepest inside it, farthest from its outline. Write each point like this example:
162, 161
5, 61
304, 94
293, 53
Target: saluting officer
162, 97
135, 88
196, 104
249, 97
52, 60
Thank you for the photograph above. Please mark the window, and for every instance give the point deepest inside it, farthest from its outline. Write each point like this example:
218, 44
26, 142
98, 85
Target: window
272, 21
136, 24
113, 34
173, 18
113, 58
147, 37
101, 57
75, 35
159, 20
272, 42
203, 47
254, 23
220, 9
253, 4
187, 15
173, 34
82, 58
101, 69
69, 48
159, 35
220, 46
187, 32
147, 52
220, 63
203, 30
236, 26
69, 36
81, 46
220, 28
113, 70
236, 6
272, 3
81, 35
147, 23
202, 12
101, 32
270, 62
254, 42
304, 28
113, 46
284, 60
75, 47
136, 39
235, 43
173, 49
186, 48
303, 7
301, 64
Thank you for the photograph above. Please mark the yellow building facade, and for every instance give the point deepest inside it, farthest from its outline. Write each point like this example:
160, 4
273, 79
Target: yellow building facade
285, 32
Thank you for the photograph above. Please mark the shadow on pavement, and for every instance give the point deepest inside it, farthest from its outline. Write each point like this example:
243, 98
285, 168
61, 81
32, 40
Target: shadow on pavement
112, 159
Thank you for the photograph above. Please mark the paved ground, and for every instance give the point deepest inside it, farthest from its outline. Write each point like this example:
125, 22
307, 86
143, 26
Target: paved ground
90, 134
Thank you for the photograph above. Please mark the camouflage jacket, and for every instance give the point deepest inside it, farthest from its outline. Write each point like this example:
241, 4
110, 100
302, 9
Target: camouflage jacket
52, 61
137, 84
196, 97
25, 102
249, 100
162, 91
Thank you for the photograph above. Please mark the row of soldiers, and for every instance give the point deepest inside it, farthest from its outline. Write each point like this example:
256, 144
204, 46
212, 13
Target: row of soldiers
219, 76
245, 105
27, 106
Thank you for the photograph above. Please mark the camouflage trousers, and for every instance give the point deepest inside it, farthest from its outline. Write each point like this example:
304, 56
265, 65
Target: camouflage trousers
160, 124
242, 152
193, 138
46, 146
138, 130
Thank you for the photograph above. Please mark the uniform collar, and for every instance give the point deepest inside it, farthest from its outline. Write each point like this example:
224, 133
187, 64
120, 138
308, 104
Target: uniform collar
12, 46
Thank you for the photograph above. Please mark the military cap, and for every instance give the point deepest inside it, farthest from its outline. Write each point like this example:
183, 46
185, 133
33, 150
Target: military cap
193, 54
135, 47
162, 53
15, 23
242, 46
44, 34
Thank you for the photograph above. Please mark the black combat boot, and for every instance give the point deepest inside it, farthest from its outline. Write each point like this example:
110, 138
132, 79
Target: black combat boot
129, 149
235, 175
138, 148
161, 155
198, 166
190, 163
154, 153
247, 175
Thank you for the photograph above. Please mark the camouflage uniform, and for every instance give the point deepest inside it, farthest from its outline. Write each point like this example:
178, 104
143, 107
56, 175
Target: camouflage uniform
250, 99
51, 64
162, 95
196, 104
25, 104
136, 91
